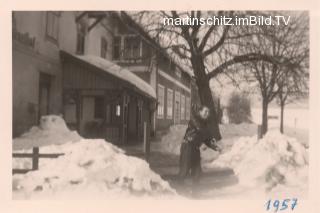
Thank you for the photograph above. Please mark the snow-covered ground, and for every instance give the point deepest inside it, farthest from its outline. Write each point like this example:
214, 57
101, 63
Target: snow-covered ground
89, 168
274, 165
293, 117
96, 169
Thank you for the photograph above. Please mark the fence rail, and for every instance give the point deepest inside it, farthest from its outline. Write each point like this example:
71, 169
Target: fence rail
35, 156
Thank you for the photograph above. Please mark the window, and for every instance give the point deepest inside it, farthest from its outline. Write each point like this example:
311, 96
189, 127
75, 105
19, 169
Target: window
177, 107
160, 101
116, 48
99, 107
132, 47
169, 103
118, 110
81, 35
183, 107
104, 47
52, 25
188, 104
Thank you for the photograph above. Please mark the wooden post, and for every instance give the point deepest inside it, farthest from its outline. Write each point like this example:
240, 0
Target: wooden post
146, 141
259, 133
35, 158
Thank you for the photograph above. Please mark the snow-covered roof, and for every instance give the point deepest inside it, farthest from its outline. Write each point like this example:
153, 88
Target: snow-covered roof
119, 72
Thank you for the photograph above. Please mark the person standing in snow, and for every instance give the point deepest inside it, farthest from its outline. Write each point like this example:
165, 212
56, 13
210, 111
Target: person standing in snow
197, 133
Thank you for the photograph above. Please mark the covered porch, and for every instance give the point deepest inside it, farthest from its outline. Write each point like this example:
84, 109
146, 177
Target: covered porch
103, 100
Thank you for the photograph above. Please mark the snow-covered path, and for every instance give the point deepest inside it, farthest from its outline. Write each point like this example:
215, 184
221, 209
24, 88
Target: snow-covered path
247, 168
212, 179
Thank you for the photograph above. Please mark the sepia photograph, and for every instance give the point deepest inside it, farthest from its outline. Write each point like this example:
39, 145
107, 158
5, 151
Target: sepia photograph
158, 104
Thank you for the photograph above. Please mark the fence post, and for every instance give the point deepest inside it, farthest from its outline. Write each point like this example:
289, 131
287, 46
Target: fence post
35, 158
259, 133
146, 142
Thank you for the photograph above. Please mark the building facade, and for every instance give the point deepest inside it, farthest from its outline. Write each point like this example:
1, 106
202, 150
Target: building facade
143, 56
99, 70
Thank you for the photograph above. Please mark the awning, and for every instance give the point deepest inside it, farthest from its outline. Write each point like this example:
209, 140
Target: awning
116, 71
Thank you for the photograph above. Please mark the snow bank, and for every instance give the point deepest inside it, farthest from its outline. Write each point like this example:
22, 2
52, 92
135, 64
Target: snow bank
273, 162
89, 168
52, 130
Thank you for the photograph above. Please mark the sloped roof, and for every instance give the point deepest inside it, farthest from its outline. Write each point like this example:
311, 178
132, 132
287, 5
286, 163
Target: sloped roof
118, 72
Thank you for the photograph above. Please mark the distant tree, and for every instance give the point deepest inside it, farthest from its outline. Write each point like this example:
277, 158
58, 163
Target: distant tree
238, 108
292, 88
290, 44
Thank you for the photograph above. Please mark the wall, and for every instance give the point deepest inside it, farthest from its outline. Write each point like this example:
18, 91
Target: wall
164, 123
28, 62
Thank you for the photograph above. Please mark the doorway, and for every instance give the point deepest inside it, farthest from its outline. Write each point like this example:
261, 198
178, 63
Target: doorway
44, 94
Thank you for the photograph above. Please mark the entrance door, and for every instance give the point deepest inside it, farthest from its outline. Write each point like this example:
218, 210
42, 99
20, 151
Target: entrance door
177, 108
44, 94
87, 115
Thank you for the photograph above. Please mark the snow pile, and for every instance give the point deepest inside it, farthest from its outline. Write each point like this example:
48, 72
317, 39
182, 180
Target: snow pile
52, 130
90, 168
170, 143
274, 161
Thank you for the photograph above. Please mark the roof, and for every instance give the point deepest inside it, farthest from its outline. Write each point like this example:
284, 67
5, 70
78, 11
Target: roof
118, 72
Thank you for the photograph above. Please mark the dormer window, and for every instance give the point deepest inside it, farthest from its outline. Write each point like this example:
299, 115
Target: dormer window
116, 53
127, 47
132, 47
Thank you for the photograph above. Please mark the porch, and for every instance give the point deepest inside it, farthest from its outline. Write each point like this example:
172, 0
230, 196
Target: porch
99, 103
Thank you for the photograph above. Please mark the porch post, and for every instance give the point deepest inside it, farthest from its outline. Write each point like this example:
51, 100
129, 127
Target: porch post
125, 102
146, 140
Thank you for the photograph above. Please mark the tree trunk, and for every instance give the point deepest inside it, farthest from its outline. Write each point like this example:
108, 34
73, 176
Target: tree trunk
207, 100
281, 116
264, 126
205, 94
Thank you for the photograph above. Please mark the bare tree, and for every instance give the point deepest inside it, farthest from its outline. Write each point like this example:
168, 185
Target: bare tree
287, 43
292, 87
207, 50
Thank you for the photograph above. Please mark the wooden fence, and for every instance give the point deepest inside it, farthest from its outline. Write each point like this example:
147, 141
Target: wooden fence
35, 156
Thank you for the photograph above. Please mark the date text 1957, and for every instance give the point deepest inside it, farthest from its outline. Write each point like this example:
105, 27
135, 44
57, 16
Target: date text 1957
281, 205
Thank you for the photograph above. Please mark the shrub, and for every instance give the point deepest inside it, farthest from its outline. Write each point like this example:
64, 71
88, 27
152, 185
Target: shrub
238, 108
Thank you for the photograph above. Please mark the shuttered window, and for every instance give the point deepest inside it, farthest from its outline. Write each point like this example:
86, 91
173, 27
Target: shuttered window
160, 113
188, 104
183, 107
169, 103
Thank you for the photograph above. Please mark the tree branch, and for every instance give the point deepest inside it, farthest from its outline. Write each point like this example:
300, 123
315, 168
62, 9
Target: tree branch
240, 59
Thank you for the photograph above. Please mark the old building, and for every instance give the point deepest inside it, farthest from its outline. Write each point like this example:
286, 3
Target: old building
99, 70
135, 49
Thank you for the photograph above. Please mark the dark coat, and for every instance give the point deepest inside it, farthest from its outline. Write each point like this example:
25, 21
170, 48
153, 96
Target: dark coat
198, 132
